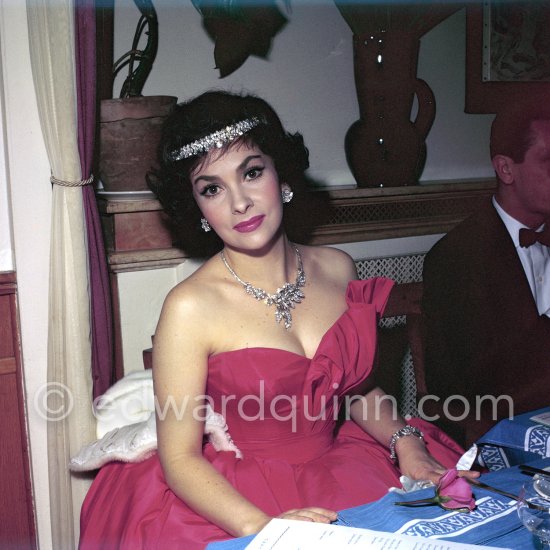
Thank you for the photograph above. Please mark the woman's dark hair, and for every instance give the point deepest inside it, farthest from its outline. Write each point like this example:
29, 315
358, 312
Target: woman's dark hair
198, 118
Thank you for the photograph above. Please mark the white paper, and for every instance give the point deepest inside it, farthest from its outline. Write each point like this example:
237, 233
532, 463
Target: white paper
542, 418
285, 534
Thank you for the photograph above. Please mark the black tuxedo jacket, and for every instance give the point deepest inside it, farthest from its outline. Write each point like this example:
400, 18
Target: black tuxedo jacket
483, 334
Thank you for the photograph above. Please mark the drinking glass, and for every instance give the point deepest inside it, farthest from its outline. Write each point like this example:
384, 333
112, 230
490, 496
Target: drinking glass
534, 508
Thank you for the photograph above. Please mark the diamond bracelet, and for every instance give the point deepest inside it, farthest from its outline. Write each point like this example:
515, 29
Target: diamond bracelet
403, 432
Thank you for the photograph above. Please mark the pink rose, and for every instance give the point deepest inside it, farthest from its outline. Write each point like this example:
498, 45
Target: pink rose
452, 493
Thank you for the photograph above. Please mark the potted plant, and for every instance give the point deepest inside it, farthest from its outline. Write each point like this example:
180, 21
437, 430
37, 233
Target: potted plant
130, 126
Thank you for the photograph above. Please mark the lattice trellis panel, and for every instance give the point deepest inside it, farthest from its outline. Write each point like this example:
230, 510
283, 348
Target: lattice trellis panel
402, 269
372, 212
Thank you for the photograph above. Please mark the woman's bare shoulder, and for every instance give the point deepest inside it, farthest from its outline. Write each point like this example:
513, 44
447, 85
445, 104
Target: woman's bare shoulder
194, 297
330, 261
189, 322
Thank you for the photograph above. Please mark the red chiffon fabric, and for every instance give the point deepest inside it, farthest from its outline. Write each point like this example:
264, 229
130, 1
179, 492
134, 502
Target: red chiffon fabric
281, 411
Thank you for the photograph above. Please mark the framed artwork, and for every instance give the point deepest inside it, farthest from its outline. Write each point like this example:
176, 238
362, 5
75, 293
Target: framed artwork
507, 52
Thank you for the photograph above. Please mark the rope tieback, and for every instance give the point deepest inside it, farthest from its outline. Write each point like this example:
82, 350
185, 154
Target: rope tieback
79, 183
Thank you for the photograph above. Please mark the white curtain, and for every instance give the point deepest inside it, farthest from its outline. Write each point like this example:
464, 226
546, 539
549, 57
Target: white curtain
51, 40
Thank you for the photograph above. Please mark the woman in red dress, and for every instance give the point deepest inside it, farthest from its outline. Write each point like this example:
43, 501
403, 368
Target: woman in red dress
279, 338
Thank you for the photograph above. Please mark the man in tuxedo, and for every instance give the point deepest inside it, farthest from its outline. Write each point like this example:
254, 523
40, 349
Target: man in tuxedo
486, 303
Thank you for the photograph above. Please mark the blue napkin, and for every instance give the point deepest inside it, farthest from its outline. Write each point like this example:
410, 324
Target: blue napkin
515, 441
494, 522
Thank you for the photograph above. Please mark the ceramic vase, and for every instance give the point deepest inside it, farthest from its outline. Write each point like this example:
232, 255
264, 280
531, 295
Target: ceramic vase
386, 147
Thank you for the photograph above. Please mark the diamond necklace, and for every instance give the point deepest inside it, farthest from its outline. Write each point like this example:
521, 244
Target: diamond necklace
286, 296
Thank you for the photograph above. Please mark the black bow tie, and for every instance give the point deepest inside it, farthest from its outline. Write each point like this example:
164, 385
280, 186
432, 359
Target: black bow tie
527, 237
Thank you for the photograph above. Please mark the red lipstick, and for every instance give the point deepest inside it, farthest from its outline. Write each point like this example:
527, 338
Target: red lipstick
249, 225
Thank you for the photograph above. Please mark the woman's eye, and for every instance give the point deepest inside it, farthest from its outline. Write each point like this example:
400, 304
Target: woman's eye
254, 172
209, 191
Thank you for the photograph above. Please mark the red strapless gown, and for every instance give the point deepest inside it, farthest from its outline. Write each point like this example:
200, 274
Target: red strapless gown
291, 459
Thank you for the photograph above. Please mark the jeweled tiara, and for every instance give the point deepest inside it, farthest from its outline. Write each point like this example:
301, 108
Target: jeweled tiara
216, 139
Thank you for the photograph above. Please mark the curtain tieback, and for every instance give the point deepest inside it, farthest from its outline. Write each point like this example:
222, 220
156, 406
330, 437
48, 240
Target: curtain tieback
79, 183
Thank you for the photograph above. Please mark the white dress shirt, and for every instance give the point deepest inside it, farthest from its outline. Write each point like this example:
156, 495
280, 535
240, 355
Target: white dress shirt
535, 260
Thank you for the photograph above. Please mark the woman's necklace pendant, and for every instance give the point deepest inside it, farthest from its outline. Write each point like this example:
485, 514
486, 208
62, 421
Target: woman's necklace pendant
284, 299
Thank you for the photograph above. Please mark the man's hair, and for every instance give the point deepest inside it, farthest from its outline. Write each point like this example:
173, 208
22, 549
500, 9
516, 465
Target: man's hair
511, 132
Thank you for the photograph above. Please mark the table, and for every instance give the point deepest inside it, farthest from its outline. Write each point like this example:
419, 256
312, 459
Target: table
494, 522
515, 441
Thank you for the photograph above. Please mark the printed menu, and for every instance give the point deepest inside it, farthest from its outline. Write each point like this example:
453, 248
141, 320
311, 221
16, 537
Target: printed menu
284, 534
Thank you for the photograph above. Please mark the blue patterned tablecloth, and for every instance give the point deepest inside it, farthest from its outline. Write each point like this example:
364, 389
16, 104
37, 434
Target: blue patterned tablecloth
494, 522
515, 441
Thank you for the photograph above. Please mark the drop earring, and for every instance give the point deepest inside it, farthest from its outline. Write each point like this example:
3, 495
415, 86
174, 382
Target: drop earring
205, 225
286, 195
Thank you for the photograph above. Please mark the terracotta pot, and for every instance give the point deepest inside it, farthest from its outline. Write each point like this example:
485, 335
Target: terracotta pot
129, 134
385, 147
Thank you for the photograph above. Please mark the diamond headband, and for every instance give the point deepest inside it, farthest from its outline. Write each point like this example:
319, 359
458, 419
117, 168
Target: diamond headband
216, 139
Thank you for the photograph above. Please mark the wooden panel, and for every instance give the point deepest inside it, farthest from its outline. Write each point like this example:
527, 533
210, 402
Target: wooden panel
7, 365
139, 260
404, 299
104, 48
141, 231
16, 509
7, 277
148, 358
16, 531
117, 329
6, 328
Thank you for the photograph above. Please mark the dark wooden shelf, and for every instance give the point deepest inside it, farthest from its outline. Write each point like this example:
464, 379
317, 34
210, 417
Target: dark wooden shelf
386, 213
137, 235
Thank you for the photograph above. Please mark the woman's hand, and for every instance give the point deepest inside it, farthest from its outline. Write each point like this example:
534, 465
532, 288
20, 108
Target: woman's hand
312, 513
416, 463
